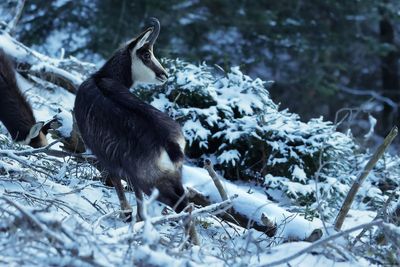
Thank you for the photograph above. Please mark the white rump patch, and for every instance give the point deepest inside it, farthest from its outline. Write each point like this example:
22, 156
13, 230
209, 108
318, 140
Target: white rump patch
182, 143
164, 162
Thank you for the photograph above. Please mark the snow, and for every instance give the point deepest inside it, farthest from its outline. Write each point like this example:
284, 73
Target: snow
6, 167
298, 173
196, 132
372, 122
65, 118
229, 156
9, 47
307, 260
290, 225
64, 196
357, 217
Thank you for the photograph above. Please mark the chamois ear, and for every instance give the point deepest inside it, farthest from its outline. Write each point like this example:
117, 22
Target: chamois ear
141, 40
34, 131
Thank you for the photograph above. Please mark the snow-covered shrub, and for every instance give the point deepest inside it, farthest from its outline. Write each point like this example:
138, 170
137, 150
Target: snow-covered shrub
230, 118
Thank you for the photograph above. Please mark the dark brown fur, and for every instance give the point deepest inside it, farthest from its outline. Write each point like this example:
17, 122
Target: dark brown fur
15, 112
128, 135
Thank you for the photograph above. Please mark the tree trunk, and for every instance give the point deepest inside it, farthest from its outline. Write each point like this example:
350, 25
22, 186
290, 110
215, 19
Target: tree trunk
390, 75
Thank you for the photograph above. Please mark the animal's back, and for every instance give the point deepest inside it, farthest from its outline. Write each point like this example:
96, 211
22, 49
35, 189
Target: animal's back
127, 135
15, 112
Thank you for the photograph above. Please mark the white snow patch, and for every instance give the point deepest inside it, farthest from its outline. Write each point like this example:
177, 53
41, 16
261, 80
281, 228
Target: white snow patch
372, 121
229, 156
298, 173
290, 225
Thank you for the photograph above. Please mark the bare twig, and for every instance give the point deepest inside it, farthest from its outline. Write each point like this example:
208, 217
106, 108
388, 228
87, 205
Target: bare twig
214, 208
379, 215
363, 175
102, 217
49, 233
18, 12
190, 228
214, 176
372, 93
46, 150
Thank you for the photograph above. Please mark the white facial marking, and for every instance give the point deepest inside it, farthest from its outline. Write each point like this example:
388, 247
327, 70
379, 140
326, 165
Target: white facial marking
164, 162
140, 72
33, 133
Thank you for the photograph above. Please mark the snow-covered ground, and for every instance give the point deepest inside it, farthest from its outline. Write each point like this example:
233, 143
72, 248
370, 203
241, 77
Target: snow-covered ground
84, 215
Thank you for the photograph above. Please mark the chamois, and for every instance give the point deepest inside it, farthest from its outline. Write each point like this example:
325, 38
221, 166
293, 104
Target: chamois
130, 138
15, 111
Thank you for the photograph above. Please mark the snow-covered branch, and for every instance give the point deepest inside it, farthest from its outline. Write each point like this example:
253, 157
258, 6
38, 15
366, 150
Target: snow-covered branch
18, 12
66, 73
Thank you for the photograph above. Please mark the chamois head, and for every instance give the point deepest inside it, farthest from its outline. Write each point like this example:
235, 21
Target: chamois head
36, 137
15, 112
145, 67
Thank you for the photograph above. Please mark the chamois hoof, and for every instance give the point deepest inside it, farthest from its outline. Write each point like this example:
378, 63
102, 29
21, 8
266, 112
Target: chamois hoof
126, 216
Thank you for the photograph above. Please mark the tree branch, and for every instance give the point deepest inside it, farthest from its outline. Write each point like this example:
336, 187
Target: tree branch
344, 210
214, 176
231, 215
18, 12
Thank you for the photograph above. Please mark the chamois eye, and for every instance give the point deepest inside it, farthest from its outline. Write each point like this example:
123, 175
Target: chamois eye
147, 56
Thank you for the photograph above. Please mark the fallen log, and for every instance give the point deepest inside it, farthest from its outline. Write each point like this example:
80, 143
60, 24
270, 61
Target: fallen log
232, 215
67, 73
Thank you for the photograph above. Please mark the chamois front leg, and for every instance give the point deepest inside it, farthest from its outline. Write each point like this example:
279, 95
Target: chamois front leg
139, 201
126, 209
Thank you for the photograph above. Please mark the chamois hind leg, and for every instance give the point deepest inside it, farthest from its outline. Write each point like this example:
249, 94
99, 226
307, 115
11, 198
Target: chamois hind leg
125, 207
139, 201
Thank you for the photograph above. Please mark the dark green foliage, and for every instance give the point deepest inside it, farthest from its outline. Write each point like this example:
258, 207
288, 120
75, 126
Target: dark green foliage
311, 49
231, 119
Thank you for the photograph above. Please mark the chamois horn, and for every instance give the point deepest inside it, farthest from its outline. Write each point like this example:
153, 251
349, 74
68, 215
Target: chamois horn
156, 30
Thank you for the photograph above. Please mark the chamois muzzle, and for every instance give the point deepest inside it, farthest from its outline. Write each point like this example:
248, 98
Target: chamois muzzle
156, 30
162, 76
